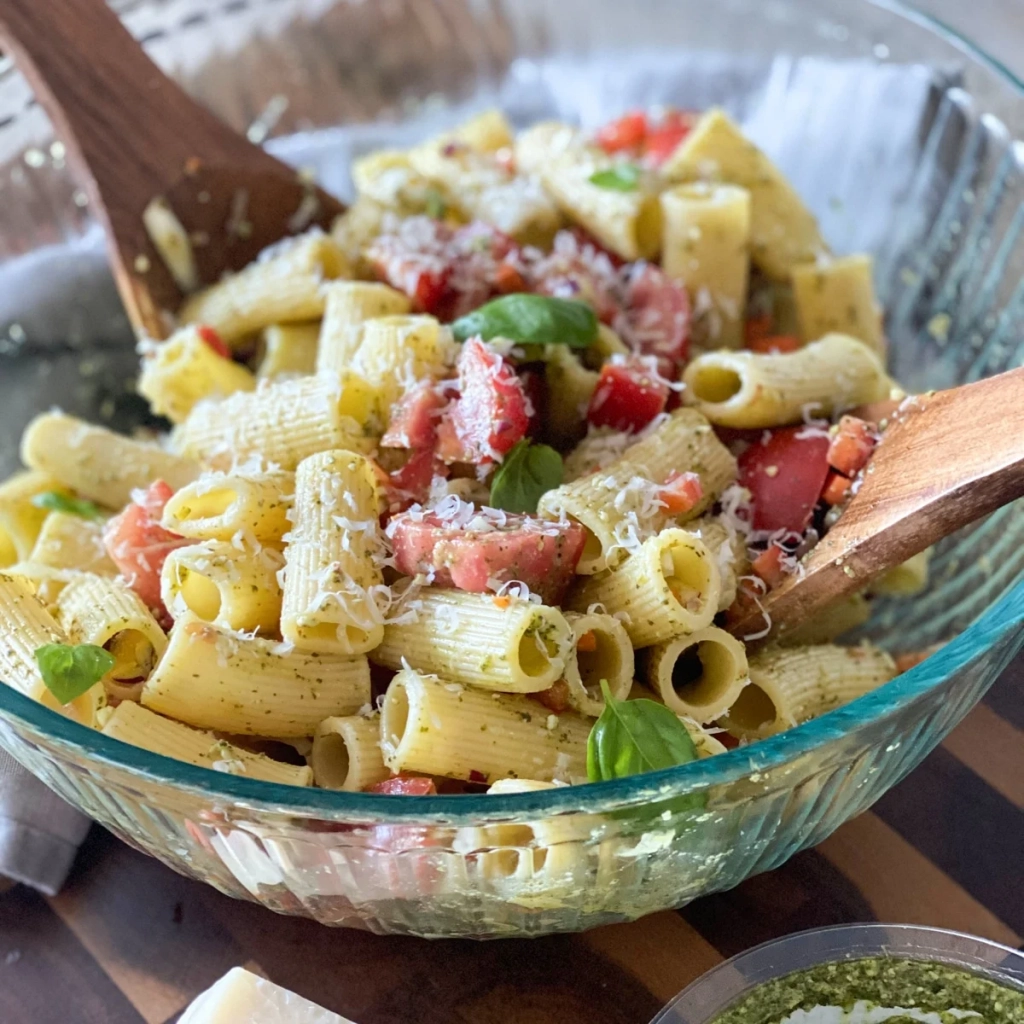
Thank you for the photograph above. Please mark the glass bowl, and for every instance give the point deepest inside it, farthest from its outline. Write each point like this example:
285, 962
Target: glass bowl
901, 136
725, 985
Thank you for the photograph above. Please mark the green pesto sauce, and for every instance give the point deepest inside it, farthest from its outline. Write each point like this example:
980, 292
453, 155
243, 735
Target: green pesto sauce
922, 985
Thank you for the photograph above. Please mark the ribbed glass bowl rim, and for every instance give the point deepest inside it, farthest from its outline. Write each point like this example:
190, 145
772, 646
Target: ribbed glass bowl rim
778, 958
723, 769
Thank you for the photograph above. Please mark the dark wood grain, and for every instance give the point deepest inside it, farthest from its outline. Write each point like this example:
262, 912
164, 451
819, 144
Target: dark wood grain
129, 941
947, 459
134, 135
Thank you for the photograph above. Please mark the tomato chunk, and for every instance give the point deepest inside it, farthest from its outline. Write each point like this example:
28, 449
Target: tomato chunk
414, 418
681, 492
774, 343
756, 328
214, 340
626, 132
662, 142
491, 413
784, 474
769, 567
836, 489
851, 446
139, 545
555, 698
478, 550
412, 481
656, 318
405, 785
627, 397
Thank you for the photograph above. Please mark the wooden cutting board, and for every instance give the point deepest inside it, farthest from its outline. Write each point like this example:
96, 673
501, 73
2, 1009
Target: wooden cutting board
130, 941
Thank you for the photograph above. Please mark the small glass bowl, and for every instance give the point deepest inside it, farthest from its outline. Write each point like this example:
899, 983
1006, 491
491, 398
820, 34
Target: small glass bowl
722, 987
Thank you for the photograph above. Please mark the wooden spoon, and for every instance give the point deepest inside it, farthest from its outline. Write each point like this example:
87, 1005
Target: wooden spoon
946, 459
135, 136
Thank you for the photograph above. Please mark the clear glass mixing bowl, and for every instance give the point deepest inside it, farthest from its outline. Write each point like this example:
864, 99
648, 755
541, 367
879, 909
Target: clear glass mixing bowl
900, 135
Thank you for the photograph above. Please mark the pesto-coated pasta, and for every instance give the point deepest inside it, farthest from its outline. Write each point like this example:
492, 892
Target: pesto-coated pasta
21, 520
601, 652
346, 753
72, 542
349, 304
288, 349
837, 295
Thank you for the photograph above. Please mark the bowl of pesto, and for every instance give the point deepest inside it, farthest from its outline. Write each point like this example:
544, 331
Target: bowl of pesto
860, 974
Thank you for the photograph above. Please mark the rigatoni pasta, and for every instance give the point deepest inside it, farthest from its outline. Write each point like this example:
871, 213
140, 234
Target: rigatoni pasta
837, 295
288, 349
347, 753
348, 306
69, 541
20, 520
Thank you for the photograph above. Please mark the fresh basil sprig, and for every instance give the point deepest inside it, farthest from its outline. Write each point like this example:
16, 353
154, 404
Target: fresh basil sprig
635, 736
531, 320
620, 178
529, 471
70, 669
55, 501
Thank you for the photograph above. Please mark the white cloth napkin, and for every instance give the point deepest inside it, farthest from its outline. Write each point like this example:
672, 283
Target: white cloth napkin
39, 833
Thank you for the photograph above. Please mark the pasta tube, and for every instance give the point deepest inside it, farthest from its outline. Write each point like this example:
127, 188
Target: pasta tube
282, 286
107, 613
42, 580
783, 232
619, 506
220, 506
288, 348
669, 586
20, 520
331, 575
601, 651
282, 422
837, 295
830, 622
707, 743
346, 753
397, 351
627, 222
906, 579
793, 684
440, 728
729, 549
234, 587
349, 305
131, 723
97, 463
520, 647
750, 390
573, 384
486, 132
699, 675
184, 370
212, 678
71, 542
25, 626
706, 246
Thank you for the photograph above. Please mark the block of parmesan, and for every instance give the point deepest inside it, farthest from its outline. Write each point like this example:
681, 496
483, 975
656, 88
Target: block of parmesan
243, 996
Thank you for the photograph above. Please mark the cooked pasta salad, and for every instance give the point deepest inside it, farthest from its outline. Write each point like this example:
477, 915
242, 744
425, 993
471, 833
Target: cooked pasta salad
467, 492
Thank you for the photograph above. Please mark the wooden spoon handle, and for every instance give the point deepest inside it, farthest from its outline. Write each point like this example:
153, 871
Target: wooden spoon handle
948, 459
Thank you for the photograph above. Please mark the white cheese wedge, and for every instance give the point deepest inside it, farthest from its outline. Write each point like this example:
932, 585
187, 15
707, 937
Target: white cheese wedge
241, 997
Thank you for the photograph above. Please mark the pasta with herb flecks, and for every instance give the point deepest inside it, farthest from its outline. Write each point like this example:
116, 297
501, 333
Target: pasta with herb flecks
520, 431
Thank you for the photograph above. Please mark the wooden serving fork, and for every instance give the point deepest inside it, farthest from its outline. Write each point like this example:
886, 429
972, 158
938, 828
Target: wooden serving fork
946, 459
135, 136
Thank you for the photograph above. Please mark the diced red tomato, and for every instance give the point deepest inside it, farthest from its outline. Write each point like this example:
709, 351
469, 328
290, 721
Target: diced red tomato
774, 343
490, 415
768, 566
681, 492
508, 280
906, 661
414, 418
626, 132
785, 477
412, 482
587, 642
656, 317
664, 141
406, 785
851, 446
727, 741
541, 554
555, 697
756, 328
139, 545
214, 340
627, 397
836, 489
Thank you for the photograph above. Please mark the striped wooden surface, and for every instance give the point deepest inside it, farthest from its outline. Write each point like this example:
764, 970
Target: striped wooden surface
129, 941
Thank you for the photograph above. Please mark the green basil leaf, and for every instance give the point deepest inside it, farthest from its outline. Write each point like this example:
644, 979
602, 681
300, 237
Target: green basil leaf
635, 736
529, 471
531, 319
70, 669
434, 204
620, 178
55, 501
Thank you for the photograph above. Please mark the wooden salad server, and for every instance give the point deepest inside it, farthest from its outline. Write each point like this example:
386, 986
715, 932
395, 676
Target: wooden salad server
135, 135
946, 459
